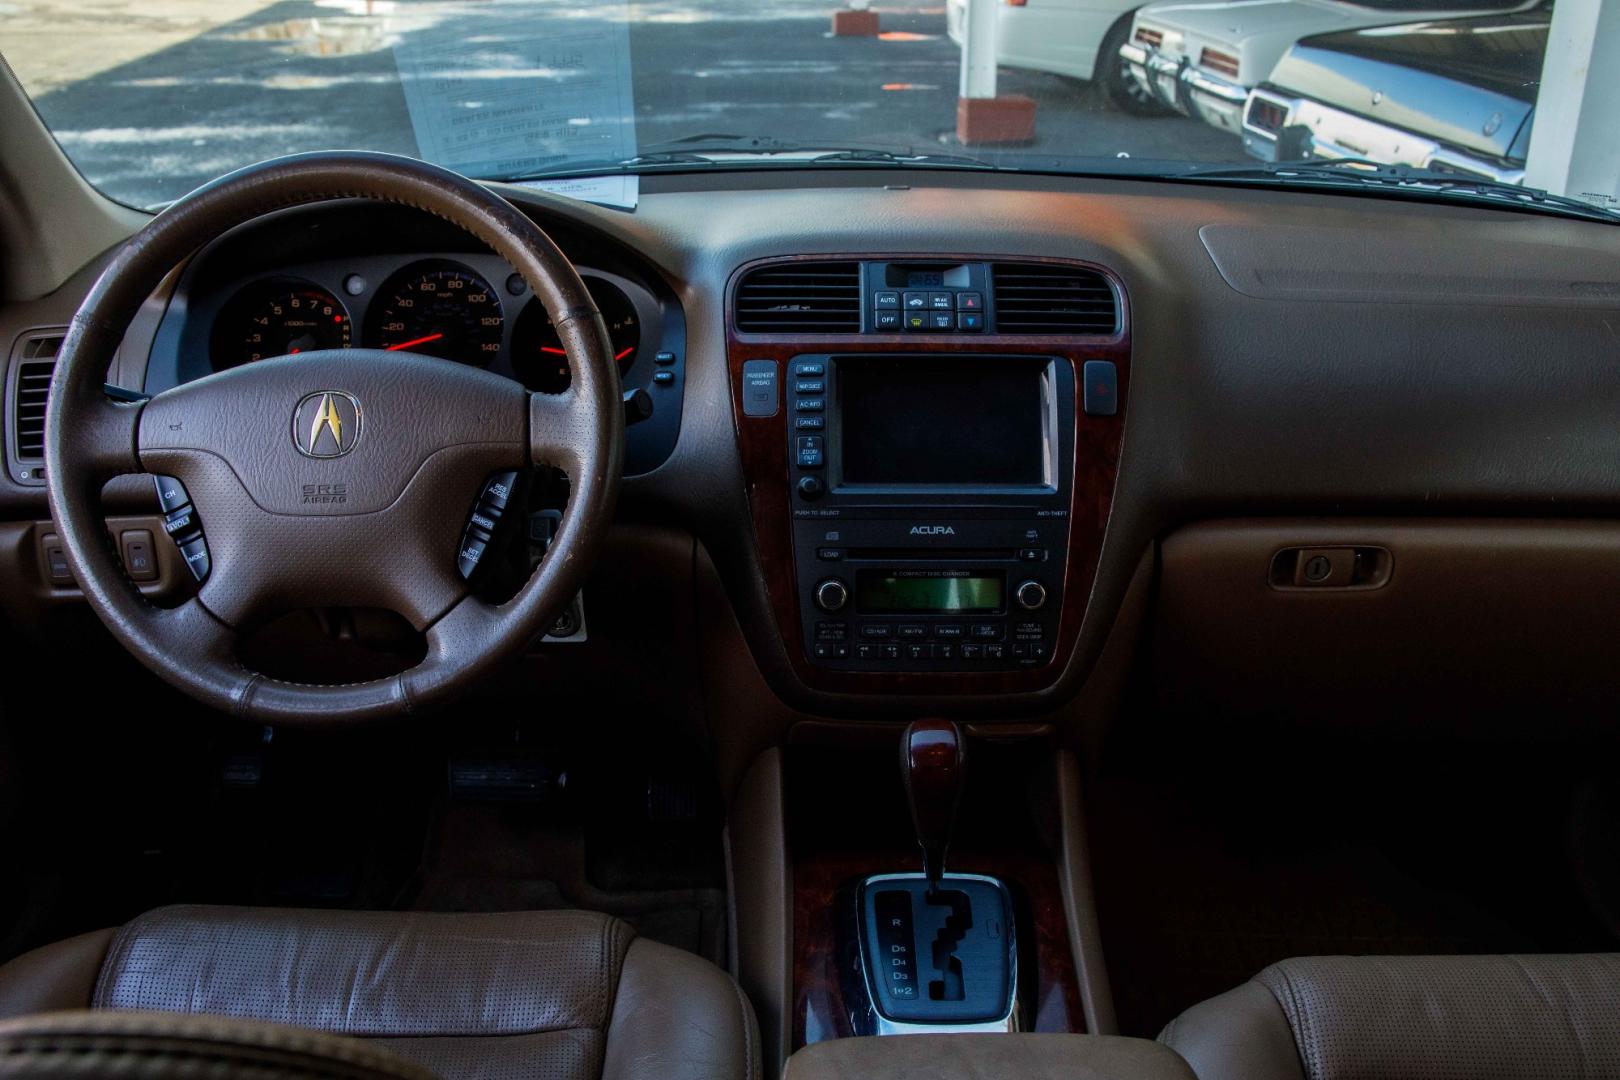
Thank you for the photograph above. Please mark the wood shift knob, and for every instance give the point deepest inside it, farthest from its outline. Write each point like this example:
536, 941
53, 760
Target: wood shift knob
933, 765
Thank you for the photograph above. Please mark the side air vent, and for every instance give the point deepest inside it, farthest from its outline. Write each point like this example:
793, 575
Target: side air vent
1040, 298
801, 298
35, 364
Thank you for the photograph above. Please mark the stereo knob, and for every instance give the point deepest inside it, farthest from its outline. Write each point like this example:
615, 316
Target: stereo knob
832, 595
1031, 595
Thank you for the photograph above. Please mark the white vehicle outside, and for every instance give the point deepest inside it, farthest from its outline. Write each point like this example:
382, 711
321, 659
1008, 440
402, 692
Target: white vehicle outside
1202, 59
1077, 38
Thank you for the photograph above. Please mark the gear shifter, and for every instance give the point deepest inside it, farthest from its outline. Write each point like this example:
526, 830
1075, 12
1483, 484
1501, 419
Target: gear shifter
933, 764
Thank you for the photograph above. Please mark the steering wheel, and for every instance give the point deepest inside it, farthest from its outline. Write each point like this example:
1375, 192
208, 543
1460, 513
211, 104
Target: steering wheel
407, 441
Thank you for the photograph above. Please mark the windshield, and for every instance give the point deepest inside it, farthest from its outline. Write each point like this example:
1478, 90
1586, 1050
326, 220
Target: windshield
150, 99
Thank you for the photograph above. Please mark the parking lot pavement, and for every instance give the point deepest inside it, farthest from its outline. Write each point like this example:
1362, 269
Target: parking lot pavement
189, 100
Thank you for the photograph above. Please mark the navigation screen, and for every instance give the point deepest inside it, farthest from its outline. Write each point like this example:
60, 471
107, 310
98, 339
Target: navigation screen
941, 422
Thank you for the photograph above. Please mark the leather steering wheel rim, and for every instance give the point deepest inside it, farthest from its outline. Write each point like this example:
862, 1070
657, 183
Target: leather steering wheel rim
433, 430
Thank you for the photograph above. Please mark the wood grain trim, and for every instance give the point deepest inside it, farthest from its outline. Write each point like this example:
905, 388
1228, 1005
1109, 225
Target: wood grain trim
762, 444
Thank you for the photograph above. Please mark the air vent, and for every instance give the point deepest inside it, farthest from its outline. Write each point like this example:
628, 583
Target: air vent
801, 298
35, 366
1036, 298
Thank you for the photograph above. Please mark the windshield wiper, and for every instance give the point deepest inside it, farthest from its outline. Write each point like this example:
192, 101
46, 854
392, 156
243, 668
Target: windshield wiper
718, 149
1363, 173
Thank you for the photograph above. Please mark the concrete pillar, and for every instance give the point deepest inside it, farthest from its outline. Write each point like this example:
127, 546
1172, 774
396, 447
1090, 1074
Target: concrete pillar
1575, 144
981, 115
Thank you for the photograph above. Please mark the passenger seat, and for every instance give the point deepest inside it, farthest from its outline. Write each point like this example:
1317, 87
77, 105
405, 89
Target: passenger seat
1410, 1018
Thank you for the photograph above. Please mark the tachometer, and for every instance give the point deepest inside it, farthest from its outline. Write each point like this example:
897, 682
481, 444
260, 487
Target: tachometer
537, 352
279, 320
444, 311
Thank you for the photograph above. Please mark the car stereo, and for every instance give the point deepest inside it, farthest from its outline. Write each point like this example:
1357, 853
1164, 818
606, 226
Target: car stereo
930, 507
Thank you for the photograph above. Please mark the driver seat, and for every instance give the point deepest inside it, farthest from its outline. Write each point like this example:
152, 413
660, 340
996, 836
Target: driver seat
547, 995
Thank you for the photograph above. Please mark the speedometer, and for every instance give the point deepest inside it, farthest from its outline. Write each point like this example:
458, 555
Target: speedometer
443, 311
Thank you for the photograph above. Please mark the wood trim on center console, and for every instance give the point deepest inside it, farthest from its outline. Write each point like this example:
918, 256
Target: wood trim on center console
762, 443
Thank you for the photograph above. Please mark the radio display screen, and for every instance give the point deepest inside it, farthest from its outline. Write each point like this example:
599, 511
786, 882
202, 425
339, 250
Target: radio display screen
942, 421
923, 592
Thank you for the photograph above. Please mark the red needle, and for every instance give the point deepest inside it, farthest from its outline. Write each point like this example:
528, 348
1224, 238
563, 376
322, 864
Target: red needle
559, 352
414, 341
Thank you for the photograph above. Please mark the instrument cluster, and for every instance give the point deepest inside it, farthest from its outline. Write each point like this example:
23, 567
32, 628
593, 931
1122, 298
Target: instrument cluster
446, 308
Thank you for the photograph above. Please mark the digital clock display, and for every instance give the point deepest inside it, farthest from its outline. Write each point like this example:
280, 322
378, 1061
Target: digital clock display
925, 279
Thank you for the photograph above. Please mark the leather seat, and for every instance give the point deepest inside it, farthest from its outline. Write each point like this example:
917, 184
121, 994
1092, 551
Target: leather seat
553, 995
1410, 1018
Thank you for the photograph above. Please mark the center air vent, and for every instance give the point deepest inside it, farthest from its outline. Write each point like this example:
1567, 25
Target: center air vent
36, 362
1037, 298
801, 298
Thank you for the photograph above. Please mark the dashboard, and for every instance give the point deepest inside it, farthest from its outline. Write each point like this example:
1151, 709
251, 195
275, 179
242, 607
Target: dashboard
1281, 356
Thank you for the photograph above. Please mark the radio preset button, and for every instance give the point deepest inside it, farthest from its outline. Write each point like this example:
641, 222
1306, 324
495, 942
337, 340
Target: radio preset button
919, 652
945, 652
995, 652
1031, 595
972, 652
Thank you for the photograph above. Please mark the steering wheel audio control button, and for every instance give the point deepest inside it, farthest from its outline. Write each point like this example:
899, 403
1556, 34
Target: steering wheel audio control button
195, 553
181, 524
171, 493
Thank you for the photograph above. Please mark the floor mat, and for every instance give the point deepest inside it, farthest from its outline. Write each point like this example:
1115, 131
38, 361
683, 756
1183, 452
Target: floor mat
1212, 865
505, 858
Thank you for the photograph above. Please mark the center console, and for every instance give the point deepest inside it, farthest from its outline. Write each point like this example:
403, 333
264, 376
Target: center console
931, 511
931, 464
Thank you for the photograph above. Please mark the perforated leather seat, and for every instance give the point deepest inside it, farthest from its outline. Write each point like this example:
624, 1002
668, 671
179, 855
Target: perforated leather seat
1410, 1018
560, 995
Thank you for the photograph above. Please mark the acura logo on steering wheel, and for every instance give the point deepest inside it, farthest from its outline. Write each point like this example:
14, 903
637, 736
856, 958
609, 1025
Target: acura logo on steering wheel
326, 424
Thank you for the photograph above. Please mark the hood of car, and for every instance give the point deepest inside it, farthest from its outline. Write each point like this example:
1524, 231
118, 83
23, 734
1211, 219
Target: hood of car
1470, 82
1262, 29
